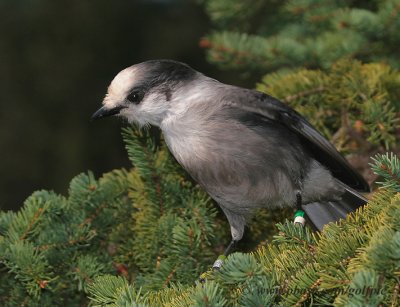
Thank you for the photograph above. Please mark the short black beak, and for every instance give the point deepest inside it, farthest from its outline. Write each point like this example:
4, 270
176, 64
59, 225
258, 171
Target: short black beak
105, 112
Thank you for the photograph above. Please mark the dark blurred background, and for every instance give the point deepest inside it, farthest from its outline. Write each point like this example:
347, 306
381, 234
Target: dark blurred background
56, 61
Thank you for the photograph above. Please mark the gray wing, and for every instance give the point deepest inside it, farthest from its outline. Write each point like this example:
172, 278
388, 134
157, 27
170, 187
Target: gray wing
262, 106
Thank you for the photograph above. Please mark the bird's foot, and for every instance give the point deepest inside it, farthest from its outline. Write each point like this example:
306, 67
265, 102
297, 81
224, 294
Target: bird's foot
221, 258
207, 275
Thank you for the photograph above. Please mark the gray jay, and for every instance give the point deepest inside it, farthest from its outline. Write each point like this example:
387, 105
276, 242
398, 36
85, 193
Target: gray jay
246, 149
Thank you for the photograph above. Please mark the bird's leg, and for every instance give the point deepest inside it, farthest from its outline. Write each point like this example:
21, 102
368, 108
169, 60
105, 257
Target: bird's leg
221, 258
299, 214
230, 248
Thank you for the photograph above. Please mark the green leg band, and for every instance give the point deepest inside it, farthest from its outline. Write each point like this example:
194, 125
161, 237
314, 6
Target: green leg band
299, 217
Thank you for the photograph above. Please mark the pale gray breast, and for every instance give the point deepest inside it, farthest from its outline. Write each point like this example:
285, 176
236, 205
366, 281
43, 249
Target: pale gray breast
241, 161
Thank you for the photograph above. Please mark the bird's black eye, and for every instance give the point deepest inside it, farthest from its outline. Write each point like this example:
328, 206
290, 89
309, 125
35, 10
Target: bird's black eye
135, 97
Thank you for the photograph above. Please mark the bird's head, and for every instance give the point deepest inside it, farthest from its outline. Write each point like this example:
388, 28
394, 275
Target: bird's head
142, 93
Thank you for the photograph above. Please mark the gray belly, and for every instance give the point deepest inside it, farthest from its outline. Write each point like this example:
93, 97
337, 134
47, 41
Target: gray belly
243, 168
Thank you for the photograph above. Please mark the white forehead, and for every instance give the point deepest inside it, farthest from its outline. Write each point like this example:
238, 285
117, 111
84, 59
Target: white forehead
120, 86
123, 81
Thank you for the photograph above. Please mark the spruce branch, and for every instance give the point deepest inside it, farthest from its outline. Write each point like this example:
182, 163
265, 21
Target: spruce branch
300, 33
388, 167
35, 218
110, 290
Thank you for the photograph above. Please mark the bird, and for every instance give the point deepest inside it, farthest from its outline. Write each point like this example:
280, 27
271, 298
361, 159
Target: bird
245, 148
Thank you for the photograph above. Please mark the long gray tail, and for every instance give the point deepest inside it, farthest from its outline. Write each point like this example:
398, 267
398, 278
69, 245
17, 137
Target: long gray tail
324, 212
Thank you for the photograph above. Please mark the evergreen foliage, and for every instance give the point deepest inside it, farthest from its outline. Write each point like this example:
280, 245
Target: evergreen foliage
268, 35
53, 246
352, 263
150, 224
388, 167
142, 238
354, 105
